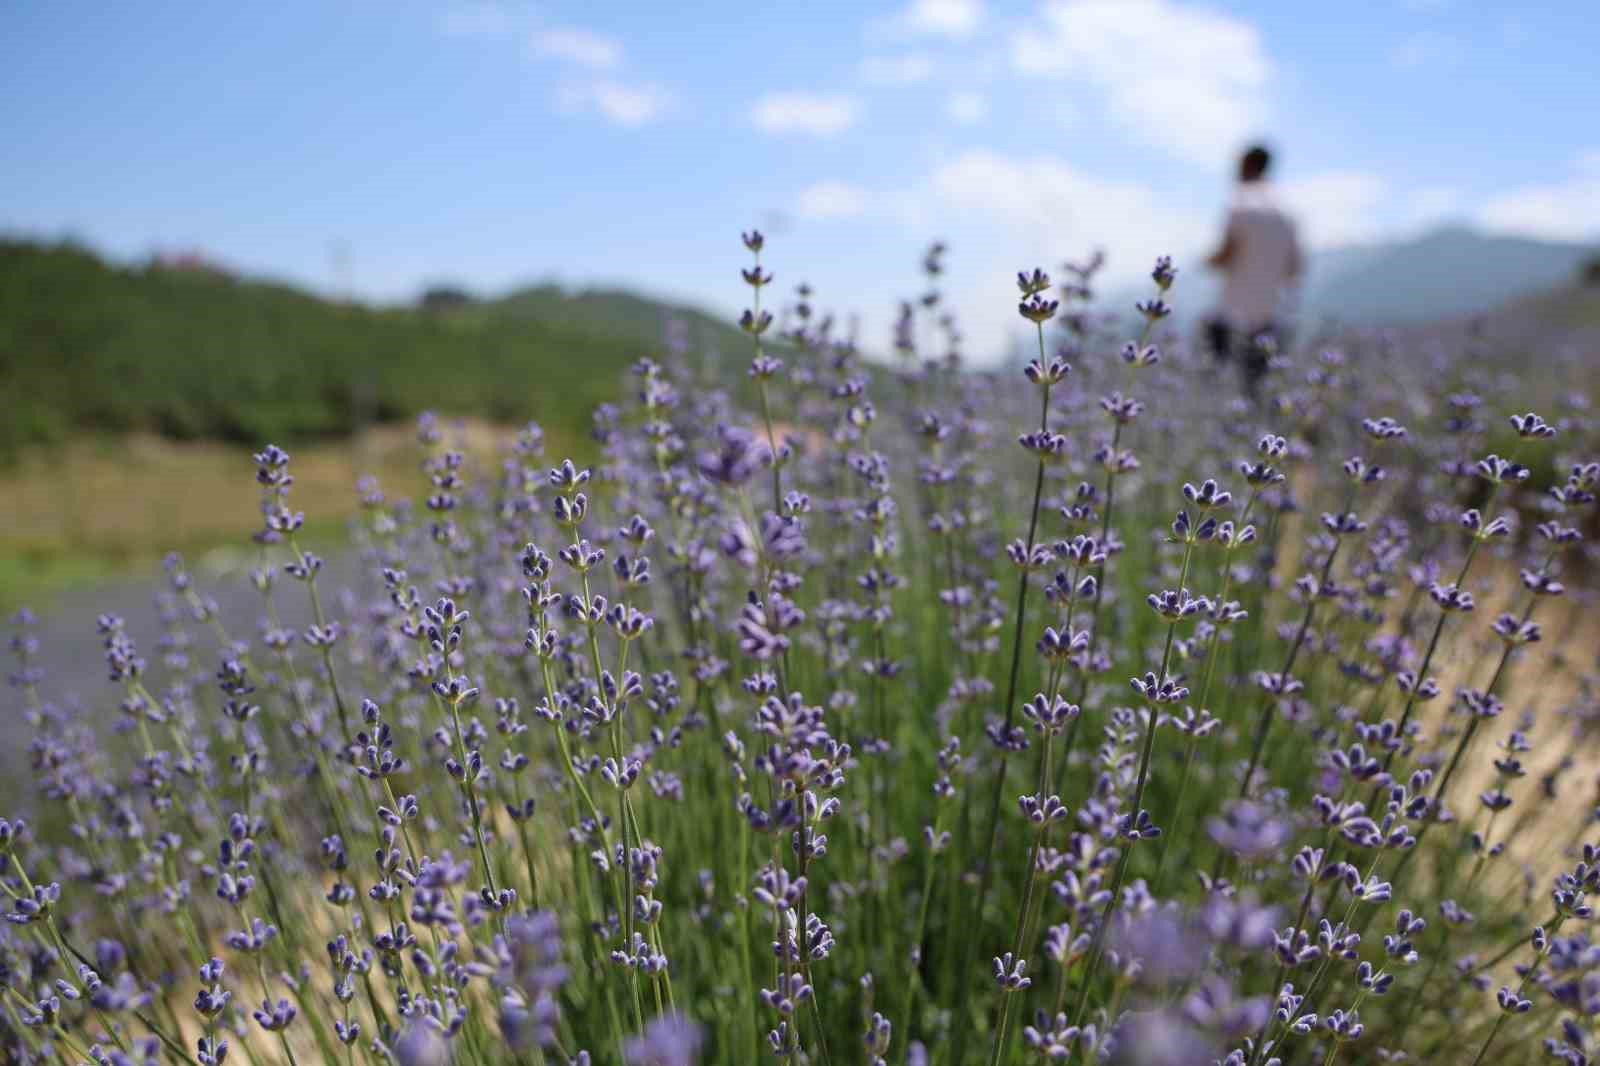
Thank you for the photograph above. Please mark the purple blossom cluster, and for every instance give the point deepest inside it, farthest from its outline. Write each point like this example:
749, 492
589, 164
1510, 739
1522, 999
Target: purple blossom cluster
1073, 711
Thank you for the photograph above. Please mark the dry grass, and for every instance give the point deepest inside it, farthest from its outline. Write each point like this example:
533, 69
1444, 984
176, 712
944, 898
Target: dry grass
102, 508
1556, 676
1550, 678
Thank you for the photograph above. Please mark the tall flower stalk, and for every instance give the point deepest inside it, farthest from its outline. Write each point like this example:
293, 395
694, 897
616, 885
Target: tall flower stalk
705, 782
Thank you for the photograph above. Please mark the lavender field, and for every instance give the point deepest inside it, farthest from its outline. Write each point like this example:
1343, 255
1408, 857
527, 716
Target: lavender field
1081, 711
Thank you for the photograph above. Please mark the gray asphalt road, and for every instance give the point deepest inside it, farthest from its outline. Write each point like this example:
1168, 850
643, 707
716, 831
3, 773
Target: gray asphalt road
71, 651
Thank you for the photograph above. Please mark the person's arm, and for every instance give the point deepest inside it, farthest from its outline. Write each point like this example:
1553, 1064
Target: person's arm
1223, 256
1297, 263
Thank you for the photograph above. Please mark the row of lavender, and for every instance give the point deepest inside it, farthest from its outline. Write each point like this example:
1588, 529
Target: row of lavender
1188, 731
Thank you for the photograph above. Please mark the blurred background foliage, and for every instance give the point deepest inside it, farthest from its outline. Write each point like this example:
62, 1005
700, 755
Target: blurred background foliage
190, 352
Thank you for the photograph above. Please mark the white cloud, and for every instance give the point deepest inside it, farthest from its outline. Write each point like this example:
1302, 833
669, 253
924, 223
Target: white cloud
573, 44
1016, 212
1336, 208
816, 114
956, 19
1064, 211
617, 103
1186, 78
907, 69
966, 108
1565, 209
831, 199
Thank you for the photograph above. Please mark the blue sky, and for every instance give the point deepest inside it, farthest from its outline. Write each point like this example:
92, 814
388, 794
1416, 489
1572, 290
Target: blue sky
387, 144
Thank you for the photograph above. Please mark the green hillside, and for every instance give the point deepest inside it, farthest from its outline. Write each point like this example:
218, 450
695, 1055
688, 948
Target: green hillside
87, 345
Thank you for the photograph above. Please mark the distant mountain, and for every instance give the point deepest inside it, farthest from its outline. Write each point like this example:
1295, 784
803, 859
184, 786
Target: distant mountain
1442, 274
188, 350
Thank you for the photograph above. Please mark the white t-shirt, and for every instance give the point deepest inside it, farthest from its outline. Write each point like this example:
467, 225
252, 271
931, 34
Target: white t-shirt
1259, 274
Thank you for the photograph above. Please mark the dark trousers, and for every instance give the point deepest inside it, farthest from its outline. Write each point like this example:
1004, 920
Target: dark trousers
1253, 350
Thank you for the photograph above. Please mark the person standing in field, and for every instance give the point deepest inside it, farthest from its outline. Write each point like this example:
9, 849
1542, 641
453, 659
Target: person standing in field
1260, 262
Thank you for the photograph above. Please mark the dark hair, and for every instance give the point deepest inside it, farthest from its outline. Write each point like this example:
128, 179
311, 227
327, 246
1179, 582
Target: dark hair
1254, 163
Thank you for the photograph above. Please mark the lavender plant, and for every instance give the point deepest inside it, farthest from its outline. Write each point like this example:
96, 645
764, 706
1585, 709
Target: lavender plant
1182, 731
